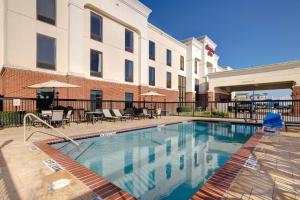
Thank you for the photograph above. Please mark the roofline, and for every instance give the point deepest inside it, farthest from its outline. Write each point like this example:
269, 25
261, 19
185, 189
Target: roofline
166, 35
208, 38
276, 66
138, 7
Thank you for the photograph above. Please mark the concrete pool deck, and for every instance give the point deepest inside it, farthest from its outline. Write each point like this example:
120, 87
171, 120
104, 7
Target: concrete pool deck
24, 176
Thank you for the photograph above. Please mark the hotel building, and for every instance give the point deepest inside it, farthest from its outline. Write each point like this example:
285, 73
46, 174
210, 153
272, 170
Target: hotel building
107, 47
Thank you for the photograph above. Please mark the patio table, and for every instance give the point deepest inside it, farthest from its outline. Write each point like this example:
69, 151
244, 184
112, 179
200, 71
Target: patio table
92, 116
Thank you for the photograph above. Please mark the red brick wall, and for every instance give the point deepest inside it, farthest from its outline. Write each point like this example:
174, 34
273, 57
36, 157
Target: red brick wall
190, 96
15, 82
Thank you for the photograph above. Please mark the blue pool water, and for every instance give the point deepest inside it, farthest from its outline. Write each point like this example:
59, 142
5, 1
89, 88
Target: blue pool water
170, 162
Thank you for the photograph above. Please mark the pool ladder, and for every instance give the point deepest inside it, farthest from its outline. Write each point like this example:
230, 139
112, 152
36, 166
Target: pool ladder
31, 115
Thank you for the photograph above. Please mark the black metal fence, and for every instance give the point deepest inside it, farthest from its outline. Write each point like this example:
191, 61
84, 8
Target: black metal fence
12, 110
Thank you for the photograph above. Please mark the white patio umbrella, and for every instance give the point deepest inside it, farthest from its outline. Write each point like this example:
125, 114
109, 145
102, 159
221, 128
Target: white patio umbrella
52, 84
152, 94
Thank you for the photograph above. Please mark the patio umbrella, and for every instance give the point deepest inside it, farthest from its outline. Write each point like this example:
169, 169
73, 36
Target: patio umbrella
52, 84
152, 94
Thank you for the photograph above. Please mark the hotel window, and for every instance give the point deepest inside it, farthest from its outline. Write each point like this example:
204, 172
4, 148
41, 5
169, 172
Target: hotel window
96, 99
181, 63
168, 170
128, 100
169, 57
151, 50
197, 86
151, 180
181, 162
128, 71
128, 40
96, 63
46, 11
196, 66
169, 80
46, 52
96, 27
151, 156
152, 76
128, 162
182, 89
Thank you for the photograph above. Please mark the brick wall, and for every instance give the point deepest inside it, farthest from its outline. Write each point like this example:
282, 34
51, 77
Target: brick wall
15, 82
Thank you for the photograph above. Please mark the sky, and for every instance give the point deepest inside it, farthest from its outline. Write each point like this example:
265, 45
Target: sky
247, 32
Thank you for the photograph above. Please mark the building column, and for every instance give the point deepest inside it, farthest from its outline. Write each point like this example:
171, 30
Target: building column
296, 96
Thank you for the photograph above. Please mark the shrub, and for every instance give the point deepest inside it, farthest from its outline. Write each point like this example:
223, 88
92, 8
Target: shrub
184, 109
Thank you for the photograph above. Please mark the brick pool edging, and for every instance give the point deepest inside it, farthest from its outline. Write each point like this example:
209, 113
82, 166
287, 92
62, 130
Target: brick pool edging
218, 184
214, 188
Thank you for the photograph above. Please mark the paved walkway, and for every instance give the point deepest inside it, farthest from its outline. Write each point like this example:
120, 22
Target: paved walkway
277, 174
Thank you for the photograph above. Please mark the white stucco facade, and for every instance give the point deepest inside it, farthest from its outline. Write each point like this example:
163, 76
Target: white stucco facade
20, 26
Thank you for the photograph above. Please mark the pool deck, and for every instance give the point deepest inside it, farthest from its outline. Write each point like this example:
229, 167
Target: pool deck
24, 176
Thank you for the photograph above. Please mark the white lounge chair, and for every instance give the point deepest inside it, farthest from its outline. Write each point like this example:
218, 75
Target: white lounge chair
117, 113
107, 115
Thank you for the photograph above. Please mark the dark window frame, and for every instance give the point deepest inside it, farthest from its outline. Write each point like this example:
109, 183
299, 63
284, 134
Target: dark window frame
131, 78
169, 57
47, 19
182, 63
95, 103
96, 73
129, 103
46, 65
196, 66
152, 57
182, 89
169, 82
94, 36
129, 49
197, 85
151, 82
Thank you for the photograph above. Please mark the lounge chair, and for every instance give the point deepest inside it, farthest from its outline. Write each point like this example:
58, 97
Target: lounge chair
157, 113
117, 113
130, 112
107, 115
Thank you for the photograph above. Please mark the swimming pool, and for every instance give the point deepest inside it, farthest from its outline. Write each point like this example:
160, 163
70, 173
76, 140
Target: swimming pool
164, 162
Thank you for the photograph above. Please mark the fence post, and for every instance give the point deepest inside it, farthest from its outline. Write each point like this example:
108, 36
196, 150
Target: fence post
110, 104
193, 105
235, 109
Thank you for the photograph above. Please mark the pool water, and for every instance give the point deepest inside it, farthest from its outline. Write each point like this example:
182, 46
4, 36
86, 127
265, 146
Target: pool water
166, 163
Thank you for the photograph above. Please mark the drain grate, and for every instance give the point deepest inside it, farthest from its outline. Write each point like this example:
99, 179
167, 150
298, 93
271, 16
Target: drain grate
251, 163
52, 165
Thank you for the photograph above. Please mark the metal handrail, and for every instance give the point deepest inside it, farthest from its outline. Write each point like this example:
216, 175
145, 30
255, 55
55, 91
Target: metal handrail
45, 123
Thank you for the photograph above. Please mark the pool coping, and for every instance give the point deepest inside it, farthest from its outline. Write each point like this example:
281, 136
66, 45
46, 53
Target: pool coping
214, 188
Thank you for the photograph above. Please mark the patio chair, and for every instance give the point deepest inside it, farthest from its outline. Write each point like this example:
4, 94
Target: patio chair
57, 117
67, 119
157, 113
117, 113
145, 113
130, 112
107, 115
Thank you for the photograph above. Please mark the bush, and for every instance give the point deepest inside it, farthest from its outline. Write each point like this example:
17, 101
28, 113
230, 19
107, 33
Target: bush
184, 109
220, 114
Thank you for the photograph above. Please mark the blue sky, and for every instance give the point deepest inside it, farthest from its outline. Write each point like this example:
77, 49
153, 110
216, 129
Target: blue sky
248, 32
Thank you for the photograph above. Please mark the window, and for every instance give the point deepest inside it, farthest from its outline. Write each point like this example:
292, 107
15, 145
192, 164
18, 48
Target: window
46, 11
197, 86
96, 63
169, 80
169, 57
128, 71
181, 165
128, 100
151, 155
151, 50
168, 170
151, 180
46, 52
96, 99
181, 63
182, 89
96, 27
196, 66
128, 40
152, 76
